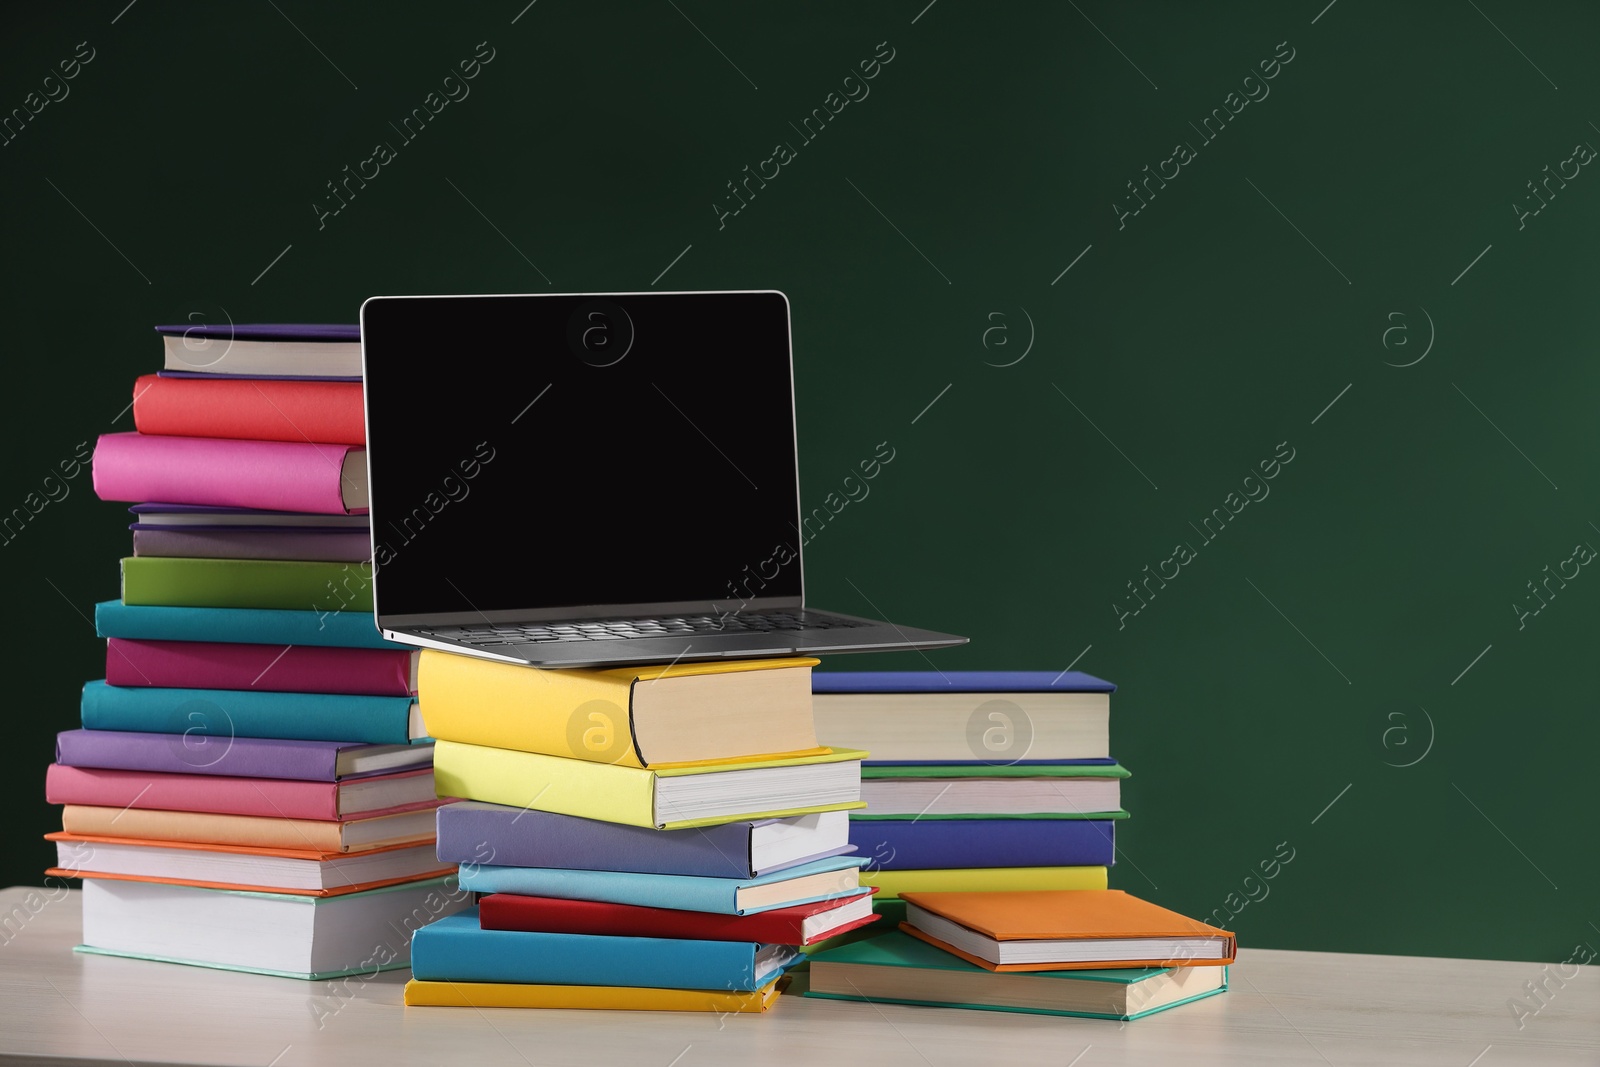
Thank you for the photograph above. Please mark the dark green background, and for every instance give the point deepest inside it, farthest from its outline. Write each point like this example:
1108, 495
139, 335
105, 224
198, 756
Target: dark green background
1196, 338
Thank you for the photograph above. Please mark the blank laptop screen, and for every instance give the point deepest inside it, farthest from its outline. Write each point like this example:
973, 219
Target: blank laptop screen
531, 452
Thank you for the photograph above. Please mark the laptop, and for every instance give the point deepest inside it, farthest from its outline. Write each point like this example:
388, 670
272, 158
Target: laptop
596, 479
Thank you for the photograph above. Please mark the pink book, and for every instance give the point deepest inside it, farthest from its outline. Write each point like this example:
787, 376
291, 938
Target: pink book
269, 475
271, 668
324, 801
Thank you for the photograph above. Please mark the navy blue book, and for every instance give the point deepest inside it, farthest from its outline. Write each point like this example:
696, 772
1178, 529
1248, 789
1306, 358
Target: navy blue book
473, 832
316, 351
456, 949
941, 844
999, 718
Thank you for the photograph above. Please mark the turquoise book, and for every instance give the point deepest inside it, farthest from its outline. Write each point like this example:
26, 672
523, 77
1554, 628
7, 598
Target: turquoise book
250, 713
900, 969
245, 626
456, 949
825, 879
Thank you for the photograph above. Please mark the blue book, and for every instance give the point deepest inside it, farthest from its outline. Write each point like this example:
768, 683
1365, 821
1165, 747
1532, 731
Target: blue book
825, 879
246, 626
249, 713
456, 949
958, 682
473, 832
940, 844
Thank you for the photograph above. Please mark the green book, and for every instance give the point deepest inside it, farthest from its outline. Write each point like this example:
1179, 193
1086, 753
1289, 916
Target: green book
292, 585
896, 968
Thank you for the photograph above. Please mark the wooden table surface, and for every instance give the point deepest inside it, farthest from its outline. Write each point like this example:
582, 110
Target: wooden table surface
1283, 1008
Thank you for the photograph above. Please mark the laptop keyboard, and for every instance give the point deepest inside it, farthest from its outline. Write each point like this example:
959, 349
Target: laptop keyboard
626, 629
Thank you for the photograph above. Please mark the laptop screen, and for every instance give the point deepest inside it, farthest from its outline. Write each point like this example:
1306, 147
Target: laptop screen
531, 452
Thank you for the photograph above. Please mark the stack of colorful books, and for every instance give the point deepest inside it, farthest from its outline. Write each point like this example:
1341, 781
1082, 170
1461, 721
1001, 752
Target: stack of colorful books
978, 780
250, 788
658, 838
1099, 953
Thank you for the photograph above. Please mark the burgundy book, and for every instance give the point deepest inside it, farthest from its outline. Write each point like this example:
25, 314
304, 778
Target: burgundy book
270, 668
800, 924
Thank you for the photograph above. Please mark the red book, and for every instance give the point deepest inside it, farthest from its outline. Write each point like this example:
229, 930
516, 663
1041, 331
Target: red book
801, 924
274, 668
250, 409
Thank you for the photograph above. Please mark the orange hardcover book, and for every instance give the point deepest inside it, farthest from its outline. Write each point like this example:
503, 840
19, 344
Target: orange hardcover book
301, 872
1069, 929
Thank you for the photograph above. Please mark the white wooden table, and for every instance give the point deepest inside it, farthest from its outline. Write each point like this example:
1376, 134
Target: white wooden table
1284, 1008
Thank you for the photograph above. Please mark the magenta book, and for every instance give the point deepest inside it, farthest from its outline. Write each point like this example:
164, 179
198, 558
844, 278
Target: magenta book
269, 475
269, 668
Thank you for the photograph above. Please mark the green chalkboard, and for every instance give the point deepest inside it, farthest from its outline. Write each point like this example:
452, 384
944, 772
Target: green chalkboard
1090, 270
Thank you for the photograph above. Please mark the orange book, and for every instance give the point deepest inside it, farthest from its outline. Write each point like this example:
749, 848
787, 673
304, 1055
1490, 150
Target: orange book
1065, 929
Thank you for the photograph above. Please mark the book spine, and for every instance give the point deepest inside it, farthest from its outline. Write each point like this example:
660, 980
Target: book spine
332, 546
548, 783
925, 844
196, 753
169, 581
274, 668
503, 911
718, 895
188, 792
225, 713
269, 475
329, 629
249, 410
247, 831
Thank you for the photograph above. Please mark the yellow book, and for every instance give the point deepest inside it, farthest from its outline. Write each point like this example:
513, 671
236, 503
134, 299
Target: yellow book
679, 714
609, 997
890, 884
663, 798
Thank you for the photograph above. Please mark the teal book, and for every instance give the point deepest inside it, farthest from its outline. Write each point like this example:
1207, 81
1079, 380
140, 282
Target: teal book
231, 713
457, 949
897, 968
244, 626
825, 879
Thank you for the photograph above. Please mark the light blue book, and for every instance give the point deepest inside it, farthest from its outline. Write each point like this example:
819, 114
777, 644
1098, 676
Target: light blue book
240, 626
455, 949
250, 713
826, 879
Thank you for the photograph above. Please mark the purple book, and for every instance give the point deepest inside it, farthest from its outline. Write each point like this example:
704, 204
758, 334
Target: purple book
267, 331
475, 832
240, 757
334, 546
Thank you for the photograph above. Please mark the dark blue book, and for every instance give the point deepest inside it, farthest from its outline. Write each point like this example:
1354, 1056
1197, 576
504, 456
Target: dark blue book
456, 949
941, 844
474, 832
262, 350
958, 682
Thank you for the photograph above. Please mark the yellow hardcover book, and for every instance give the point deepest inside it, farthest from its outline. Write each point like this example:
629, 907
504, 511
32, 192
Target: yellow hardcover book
673, 715
666, 799
604, 997
890, 884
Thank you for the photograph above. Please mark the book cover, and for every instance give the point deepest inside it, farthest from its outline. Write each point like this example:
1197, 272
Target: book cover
223, 754
262, 350
327, 629
891, 884
256, 831
471, 831
331, 546
1089, 916
420, 993
826, 879
275, 668
932, 844
283, 798
290, 585
898, 969
598, 790
958, 682
368, 720
328, 479
244, 409
781, 926
626, 716
456, 949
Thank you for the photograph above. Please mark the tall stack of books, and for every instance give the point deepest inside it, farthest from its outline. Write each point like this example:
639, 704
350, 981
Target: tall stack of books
646, 837
249, 789
978, 780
